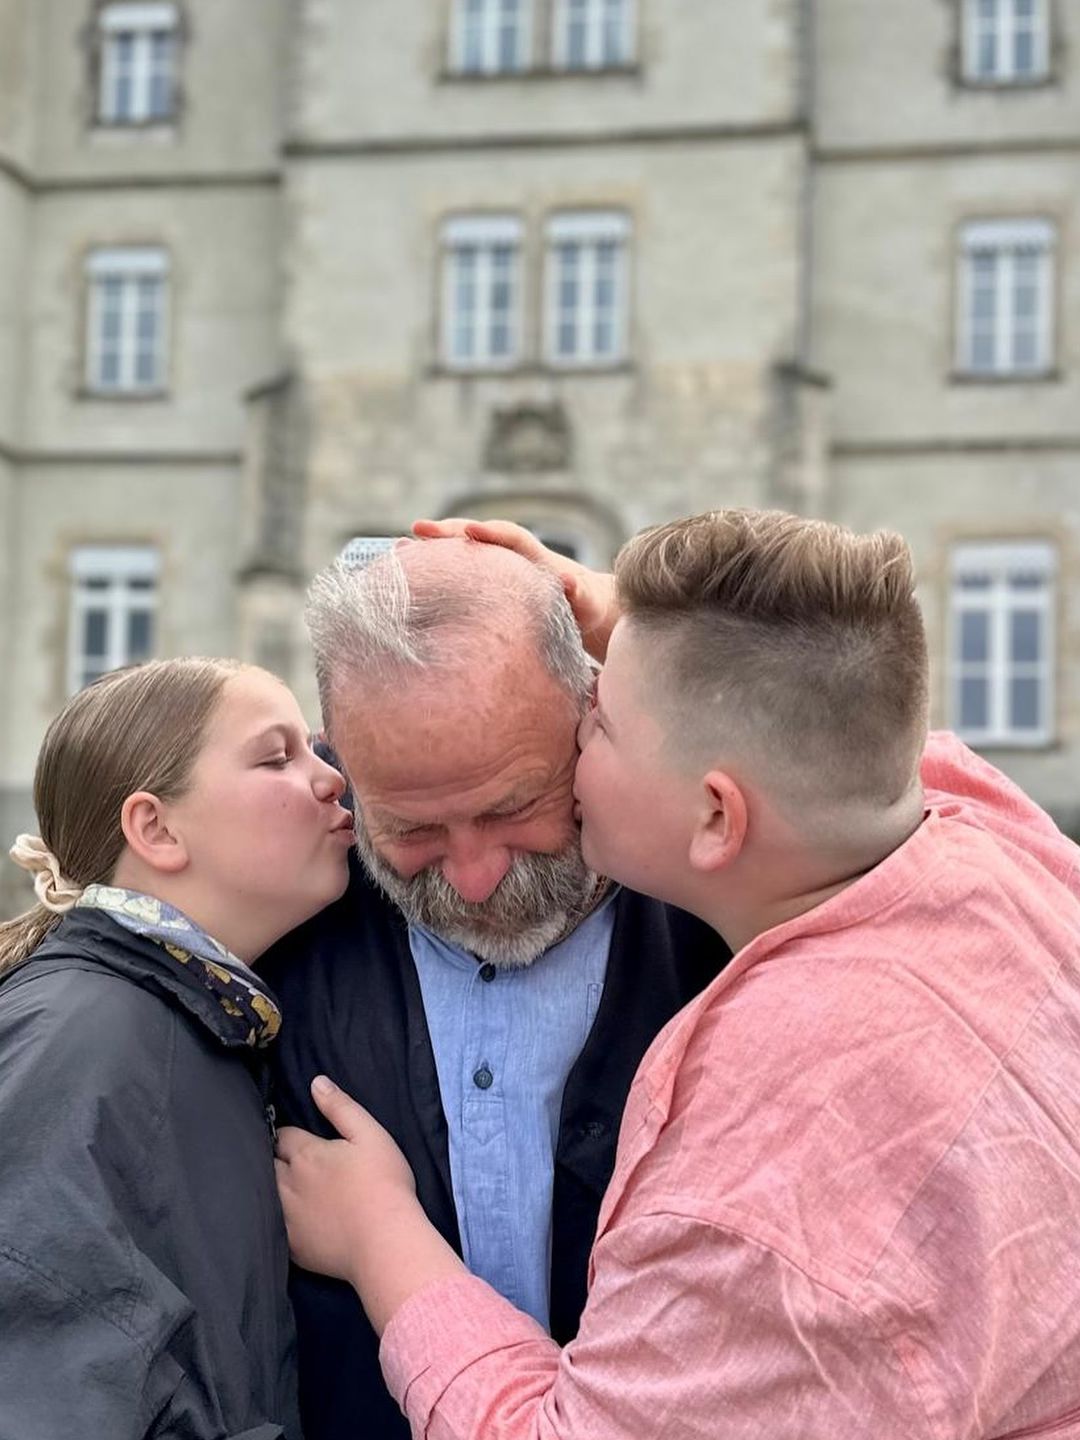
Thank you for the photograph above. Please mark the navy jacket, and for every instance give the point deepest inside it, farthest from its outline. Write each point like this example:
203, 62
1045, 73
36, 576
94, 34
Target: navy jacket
143, 1259
353, 1009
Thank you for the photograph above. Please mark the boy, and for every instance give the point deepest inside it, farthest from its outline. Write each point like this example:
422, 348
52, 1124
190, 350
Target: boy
847, 1194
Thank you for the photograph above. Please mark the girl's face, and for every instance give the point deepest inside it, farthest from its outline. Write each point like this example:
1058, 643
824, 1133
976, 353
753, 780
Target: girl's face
266, 839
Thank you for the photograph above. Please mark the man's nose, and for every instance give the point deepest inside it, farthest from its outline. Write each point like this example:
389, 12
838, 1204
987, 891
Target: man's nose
475, 870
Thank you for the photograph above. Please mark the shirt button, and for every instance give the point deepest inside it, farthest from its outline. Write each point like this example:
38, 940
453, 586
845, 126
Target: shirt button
482, 1078
487, 972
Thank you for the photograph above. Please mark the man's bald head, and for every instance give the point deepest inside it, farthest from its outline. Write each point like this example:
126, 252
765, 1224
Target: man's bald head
448, 611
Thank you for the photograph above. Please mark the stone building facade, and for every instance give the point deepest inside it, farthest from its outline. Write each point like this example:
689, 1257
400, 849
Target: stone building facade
273, 274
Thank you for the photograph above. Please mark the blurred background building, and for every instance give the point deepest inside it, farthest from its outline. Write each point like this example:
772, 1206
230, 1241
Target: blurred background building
274, 274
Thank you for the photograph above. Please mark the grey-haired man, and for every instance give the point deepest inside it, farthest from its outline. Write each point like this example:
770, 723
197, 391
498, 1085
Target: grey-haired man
483, 993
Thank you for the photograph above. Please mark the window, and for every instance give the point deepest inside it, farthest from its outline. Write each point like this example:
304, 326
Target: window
1005, 42
125, 323
490, 36
481, 264
113, 609
592, 34
586, 288
1006, 309
138, 64
1002, 643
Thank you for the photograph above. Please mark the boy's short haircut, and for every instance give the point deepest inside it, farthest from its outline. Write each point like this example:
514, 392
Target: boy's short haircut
794, 643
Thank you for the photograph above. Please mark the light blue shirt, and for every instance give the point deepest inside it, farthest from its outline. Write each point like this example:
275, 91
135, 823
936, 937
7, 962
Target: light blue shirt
504, 1046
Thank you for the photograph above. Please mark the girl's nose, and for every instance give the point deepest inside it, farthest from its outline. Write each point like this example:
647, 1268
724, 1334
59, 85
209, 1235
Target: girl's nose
328, 784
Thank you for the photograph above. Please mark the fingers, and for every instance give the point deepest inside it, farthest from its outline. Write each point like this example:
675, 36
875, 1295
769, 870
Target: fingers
453, 527
346, 1116
505, 533
291, 1141
509, 535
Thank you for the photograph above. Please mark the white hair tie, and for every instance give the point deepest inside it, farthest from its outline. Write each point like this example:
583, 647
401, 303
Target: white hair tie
50, 887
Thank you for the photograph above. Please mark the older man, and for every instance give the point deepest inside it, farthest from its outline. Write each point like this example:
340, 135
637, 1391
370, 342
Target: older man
478, 988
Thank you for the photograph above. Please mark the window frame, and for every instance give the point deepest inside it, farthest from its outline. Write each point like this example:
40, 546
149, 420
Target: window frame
1007, 239
589, 229
118, 564
999, 560
595, 34
490, 26
127, 264
142, 22
1005, 29
485, 233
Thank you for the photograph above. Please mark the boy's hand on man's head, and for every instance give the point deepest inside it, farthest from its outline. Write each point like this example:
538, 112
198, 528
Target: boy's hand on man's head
591, 593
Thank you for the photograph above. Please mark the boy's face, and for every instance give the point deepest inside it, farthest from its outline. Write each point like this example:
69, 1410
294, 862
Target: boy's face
637, 809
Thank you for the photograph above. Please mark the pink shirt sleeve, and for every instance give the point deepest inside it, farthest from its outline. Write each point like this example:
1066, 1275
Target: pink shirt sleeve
690, 1330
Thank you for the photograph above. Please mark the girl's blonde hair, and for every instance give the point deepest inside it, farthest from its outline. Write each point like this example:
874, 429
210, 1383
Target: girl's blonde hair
140, 728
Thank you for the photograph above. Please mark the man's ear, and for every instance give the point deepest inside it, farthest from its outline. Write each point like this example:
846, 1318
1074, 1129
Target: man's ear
146, 829
720, 828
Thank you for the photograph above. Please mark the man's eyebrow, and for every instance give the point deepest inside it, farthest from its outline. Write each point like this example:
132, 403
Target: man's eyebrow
396, 825
516, 800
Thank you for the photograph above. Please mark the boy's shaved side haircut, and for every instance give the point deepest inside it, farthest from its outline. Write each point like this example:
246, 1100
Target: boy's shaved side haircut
794, 642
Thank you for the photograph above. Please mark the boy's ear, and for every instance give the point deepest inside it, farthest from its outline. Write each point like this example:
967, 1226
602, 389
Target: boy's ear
720, 828
144, 821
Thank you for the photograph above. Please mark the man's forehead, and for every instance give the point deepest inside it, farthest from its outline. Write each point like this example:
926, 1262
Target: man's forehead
444, 744
443, 716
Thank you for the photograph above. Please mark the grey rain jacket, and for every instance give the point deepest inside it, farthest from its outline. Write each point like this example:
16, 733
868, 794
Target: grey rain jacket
143, 1257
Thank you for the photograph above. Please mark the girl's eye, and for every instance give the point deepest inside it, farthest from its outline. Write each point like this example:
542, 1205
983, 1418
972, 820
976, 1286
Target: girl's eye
277, 762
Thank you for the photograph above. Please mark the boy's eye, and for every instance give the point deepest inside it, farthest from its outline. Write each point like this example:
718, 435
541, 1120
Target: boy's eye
278, 762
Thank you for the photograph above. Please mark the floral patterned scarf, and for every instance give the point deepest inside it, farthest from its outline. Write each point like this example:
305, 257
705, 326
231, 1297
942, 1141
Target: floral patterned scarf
252, 1014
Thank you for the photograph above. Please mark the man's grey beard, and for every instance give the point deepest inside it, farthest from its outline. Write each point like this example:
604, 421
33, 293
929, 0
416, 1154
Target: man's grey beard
538, 900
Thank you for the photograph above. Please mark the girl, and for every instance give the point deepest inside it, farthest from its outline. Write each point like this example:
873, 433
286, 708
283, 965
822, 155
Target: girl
186, 824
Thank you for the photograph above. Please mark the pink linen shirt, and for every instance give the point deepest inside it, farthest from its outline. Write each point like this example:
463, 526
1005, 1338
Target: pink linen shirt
846, 1200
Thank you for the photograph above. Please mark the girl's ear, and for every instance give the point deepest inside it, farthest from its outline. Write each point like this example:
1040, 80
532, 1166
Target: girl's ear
720, 829
143, 819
